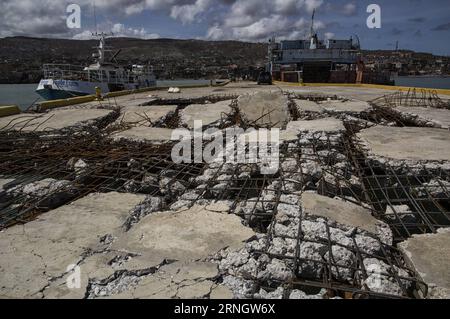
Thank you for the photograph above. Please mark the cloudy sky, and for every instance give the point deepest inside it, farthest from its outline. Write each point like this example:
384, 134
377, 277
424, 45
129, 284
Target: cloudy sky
421, 25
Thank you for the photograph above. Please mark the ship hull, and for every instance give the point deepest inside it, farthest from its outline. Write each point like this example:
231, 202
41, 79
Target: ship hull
50, 89
52, 94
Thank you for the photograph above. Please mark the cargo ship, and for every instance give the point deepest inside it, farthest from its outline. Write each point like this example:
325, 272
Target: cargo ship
64, 81
321, 61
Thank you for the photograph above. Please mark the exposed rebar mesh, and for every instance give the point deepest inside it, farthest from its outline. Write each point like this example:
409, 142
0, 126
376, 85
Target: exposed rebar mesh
51, 171
413, 98
296, 253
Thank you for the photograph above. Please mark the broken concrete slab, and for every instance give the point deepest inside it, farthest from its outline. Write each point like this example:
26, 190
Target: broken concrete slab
51, 193
415, 144
144, 135
191, 280
348, 107
308, 106
145, 115
189, 234
439, 118
429, 255
160, 258
55, 120
40, 188
4, 182
207, 113
264, 108
345, 213
34, 254
327, 125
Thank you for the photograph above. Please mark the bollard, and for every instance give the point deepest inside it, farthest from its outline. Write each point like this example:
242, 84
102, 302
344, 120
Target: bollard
98, 94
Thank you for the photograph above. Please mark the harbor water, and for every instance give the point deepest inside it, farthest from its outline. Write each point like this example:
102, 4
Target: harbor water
423, 82
24, 95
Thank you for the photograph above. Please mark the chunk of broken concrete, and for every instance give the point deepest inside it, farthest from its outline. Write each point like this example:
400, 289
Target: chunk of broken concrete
429, 256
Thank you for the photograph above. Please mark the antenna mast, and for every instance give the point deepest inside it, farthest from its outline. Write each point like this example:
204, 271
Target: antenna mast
95, 18
312, 22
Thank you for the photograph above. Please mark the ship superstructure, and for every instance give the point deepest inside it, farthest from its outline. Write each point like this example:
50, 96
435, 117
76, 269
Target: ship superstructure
65, 81
313, 60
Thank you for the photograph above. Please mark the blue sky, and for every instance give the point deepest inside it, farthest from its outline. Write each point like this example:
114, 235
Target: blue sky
418, 25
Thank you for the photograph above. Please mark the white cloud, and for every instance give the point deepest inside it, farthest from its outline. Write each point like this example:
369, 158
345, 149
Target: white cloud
254, 20
48, 17
329, 35
188, 13
262, 28
228, 19
119, 30
349, 9
85, 35
27, 17
313, 4
215, 33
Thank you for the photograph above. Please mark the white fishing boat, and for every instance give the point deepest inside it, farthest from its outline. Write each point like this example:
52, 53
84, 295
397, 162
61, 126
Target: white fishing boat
64, 81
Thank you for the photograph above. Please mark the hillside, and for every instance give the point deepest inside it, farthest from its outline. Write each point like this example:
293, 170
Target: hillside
21, 58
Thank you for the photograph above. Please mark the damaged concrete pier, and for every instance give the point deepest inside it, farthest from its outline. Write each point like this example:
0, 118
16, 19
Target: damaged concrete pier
93, 205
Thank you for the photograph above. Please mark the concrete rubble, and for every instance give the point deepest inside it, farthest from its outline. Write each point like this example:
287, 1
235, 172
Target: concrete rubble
209, 114
266, 259
157, 256
352, 107
264, 109
336, 218
294, 128
347, 214
427, 117
56, 120
429, 255
397, 146
4, 183
49, 192
145, 134
145, 115
41, 251
305, 107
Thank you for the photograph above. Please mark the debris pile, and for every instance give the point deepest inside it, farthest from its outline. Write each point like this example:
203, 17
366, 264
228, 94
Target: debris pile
350, 187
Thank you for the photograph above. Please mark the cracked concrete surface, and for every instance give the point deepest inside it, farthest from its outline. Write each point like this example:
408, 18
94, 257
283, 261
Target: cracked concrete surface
184, 235
54, 120
308, 106
348, 107
416, 144
144, 134
179, 280
4, 182
264, 108
328, 125
439, 118
159, 257
144, 115
132, 246
429, 254
345, 213
35, 253
207, 113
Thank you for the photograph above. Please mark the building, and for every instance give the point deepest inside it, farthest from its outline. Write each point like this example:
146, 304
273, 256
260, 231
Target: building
318, 61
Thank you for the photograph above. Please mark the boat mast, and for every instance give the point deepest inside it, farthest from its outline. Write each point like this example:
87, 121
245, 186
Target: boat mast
312, 23
313, 36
